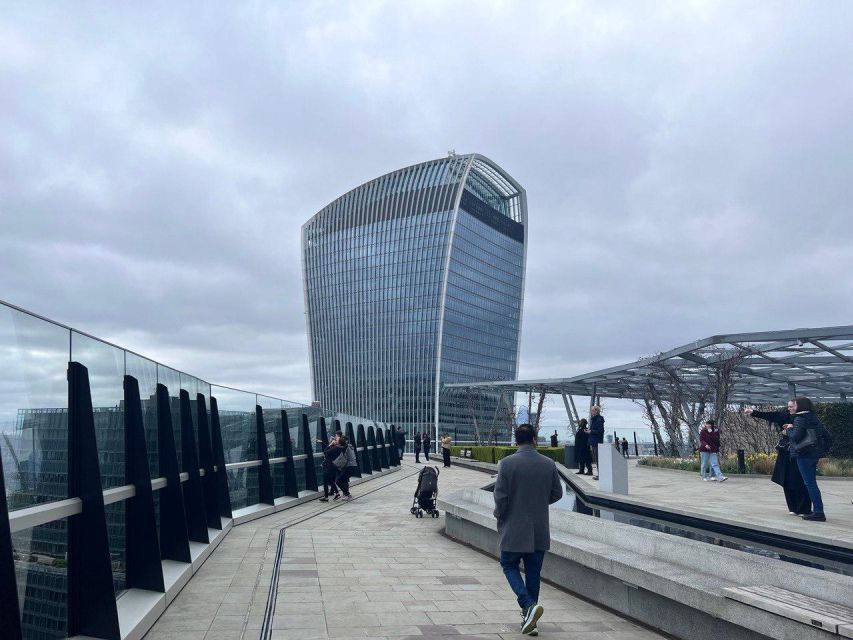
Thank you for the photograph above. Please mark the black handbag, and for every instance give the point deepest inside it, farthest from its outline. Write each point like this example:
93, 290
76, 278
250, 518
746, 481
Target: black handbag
805, 443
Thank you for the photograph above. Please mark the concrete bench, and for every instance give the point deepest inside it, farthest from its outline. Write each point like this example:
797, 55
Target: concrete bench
674, 584
824, 615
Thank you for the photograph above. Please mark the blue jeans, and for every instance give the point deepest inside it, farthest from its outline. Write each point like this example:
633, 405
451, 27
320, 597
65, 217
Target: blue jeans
709, 459
808, 469
527, 589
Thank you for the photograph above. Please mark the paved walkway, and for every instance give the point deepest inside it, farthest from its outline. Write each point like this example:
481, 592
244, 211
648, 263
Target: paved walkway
368, 569
754, 501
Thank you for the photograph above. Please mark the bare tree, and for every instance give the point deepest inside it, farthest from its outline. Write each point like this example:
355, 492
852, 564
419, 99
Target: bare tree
664, 415
676, 404
749, 434
540, 404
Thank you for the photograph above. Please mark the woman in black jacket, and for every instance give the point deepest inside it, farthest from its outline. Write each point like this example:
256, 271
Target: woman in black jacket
582, 454
807, 436
785, 471
330, 471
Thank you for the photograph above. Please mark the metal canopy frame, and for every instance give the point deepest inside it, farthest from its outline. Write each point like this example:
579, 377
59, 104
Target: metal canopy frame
766, 368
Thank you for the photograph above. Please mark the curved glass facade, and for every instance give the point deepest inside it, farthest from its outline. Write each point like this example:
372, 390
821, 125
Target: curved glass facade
413, 280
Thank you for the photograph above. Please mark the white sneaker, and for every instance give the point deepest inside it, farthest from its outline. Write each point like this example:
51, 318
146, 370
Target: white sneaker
531, 617
713, 479
704, 479
723, 479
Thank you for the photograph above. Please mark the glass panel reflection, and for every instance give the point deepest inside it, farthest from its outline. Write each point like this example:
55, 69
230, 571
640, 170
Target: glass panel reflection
33, 408
42, 576
238, 425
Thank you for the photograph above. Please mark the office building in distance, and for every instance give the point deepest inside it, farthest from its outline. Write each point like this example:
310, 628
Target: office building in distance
414, 280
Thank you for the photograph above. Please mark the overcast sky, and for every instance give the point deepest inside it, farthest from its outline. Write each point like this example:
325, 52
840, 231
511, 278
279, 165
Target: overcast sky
688, 167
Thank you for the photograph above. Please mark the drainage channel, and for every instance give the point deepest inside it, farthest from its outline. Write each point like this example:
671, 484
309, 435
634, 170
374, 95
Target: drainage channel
272, 595
770, 545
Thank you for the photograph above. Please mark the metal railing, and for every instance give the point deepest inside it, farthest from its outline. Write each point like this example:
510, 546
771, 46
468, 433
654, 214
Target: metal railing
120, 474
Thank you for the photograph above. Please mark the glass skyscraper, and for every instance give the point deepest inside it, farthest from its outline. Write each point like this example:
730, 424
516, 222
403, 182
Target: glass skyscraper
413, 280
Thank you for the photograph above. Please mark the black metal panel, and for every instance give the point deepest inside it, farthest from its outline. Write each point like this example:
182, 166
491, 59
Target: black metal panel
383, 450
91, 599
375, 460
10, 613
205, 461
224, 497
291, 487
337, 425
174, 540
324, 435
393, 454
265, 495
144, 569
354, 443
365, 462
308, 446
193, 493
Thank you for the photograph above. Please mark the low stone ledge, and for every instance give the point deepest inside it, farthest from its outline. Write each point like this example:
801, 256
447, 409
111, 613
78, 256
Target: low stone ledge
673, 584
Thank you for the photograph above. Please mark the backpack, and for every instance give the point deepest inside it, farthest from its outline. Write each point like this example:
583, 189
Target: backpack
341, 461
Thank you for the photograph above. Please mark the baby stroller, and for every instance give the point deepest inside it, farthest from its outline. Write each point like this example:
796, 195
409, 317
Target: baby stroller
426, 493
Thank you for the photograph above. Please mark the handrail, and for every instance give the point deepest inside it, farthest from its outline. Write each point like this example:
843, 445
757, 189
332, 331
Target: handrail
243, 465
117, 494
40, 514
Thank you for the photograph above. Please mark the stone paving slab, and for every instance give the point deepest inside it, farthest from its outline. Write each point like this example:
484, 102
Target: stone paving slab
368, 569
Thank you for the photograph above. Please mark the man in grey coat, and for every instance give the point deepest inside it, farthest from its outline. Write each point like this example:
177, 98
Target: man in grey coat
527, 483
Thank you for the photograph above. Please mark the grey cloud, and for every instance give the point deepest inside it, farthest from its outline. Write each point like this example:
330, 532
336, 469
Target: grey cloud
687, 168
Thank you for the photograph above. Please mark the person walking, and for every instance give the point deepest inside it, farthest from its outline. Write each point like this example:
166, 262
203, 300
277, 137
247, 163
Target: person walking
347, 472
596, 434
582, 455
625, 447
331, 453
445, 449
809, 442
785, 471
709, 447
400, 441
417, 445
526, 485
427, 444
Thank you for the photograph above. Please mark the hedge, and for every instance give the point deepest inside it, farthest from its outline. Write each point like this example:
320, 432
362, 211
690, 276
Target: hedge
837, 417
756, 463
496, 454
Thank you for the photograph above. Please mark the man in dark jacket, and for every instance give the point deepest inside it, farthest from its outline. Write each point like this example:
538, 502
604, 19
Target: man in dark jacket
400, 441
417, 444
596, 434
785, 472
427, 444
527, 483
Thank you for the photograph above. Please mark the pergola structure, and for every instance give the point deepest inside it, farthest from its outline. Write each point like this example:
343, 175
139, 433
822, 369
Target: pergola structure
764, 368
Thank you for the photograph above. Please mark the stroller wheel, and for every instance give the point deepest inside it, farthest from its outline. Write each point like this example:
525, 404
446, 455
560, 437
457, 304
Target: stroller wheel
435, 513
413, 510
